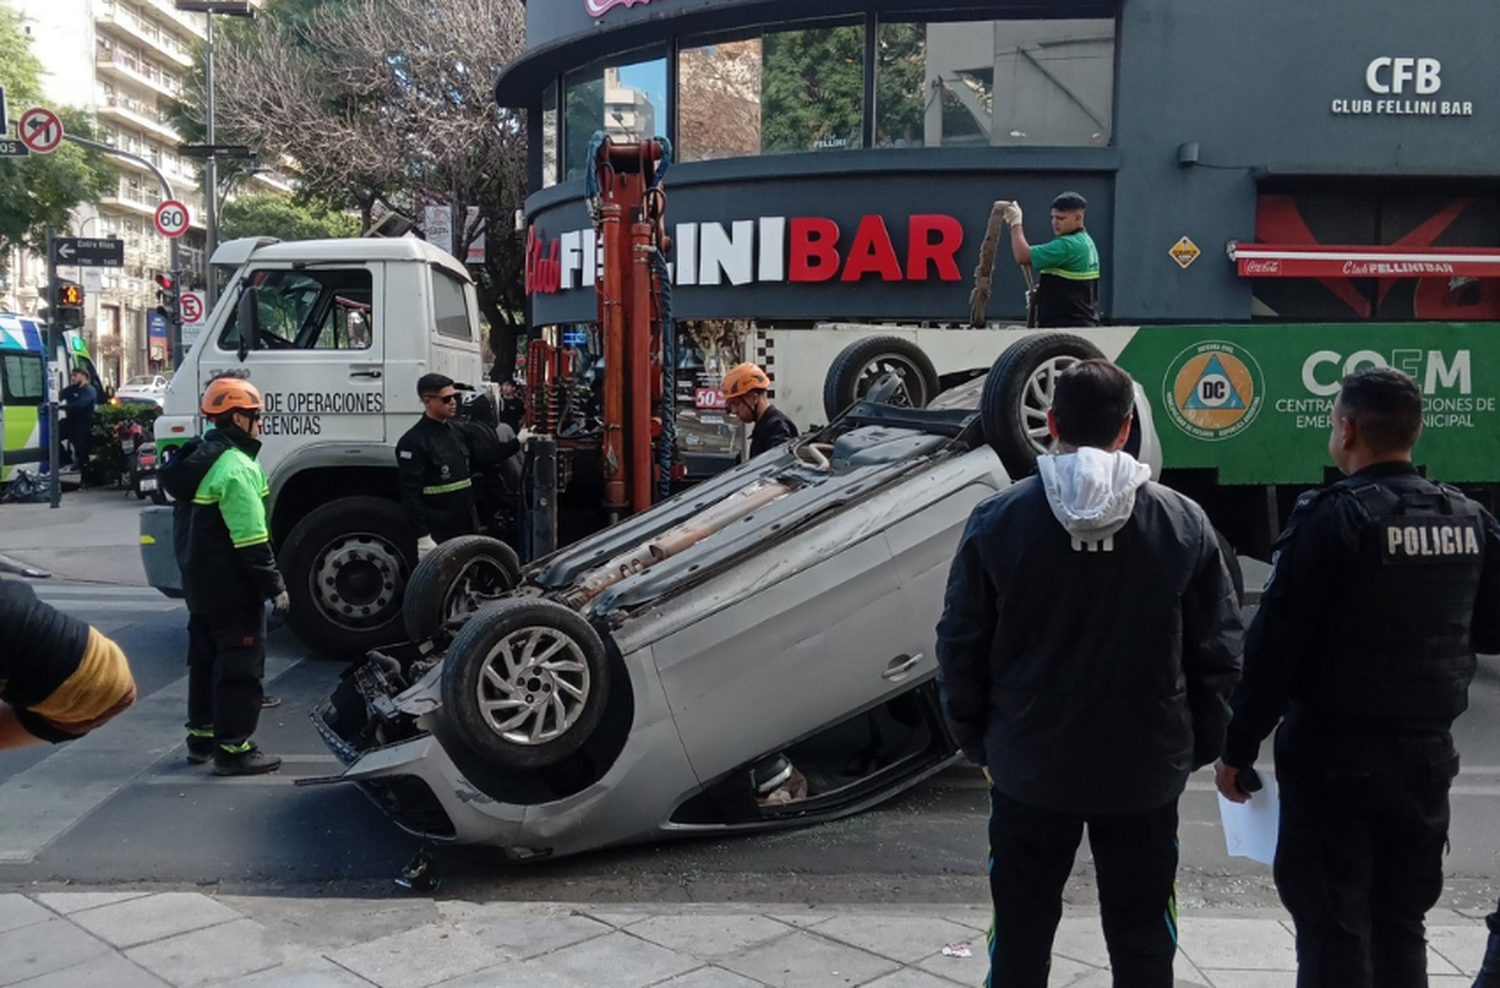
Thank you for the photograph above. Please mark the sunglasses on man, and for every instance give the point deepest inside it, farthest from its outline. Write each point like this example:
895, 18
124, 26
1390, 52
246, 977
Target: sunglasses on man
445, 399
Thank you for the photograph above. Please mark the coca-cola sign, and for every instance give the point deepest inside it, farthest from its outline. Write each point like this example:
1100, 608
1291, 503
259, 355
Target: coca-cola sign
1263, 267
599, 8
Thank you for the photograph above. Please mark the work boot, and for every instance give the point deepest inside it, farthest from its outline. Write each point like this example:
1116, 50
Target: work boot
267, 702
1489, 971
200, 745
244, 759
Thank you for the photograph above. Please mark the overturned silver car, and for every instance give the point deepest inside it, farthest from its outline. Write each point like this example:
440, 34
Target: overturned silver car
755, 652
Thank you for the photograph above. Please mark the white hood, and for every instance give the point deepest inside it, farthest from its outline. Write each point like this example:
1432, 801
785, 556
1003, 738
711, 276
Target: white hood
1092, 492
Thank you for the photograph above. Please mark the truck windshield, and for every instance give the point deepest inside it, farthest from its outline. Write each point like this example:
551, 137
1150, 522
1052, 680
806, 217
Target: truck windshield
324, 309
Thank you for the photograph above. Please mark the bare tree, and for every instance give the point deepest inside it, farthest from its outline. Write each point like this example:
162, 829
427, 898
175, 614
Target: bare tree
389, 105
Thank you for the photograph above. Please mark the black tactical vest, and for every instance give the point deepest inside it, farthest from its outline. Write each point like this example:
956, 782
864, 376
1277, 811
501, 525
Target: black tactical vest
1396, 652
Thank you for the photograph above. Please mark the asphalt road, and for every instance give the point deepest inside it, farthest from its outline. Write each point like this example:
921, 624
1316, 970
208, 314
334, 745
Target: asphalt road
123, 808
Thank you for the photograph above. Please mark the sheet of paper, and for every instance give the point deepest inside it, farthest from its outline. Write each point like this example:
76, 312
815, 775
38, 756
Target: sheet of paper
1250, 828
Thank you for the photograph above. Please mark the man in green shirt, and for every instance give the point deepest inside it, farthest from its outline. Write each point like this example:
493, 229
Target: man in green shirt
1067, 267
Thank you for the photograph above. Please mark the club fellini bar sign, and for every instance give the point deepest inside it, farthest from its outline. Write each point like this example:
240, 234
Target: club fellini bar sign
1403, 87
601, 7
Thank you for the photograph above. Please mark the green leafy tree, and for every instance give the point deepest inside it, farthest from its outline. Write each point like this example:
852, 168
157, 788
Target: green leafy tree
813, 90
900, 84
44, 188
272, 214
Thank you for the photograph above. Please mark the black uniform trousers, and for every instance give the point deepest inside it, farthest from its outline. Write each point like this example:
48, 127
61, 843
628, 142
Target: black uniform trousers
1031, 855
1359, 860
226, 661
1489, 970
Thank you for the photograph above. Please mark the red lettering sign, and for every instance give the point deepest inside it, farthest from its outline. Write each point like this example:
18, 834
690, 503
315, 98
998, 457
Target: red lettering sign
543, 270
923, 251
815, 250
872, 252
708, 398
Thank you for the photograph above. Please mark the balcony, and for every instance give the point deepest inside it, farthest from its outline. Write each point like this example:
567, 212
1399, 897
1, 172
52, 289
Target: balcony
136, 73
115, 21
132, 196
137, 113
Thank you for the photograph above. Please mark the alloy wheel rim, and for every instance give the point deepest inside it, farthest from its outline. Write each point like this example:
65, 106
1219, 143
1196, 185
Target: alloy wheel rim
1036, 401
533, 686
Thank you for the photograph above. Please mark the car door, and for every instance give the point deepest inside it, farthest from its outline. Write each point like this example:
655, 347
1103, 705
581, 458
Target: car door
317, 354
799, 654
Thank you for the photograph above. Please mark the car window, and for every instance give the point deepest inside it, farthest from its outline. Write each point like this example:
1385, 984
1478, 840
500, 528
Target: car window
320, 309
450, 307
22, 378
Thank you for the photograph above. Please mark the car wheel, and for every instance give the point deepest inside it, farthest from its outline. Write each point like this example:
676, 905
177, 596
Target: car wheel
1018, 393
454, 581
896, 369
525, 682
346, 565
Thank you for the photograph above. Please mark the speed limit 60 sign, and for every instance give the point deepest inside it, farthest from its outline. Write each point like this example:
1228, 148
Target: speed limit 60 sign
171, 218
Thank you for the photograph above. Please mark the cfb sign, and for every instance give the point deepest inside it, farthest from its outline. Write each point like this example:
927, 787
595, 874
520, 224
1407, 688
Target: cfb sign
1404, 87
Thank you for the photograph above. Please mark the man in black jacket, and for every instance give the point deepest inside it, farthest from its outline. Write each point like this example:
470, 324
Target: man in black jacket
1087, 649
1382, 588
746, 397
432, 461
79, 399
223, 543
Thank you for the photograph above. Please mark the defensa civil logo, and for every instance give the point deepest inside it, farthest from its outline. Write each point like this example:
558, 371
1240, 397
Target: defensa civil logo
1213, 390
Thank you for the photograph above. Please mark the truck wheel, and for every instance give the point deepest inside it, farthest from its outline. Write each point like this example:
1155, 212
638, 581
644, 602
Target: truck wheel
896, 368
346, 565
453, 582
525, 682
1018, 393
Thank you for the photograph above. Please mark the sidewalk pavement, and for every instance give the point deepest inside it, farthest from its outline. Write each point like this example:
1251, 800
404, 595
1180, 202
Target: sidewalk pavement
188, 939
93, 536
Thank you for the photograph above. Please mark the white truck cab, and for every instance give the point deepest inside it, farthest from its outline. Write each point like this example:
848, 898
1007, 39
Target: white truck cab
335, 334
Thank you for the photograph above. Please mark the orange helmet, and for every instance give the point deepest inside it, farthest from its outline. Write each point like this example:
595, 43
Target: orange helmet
231, 394
743, 379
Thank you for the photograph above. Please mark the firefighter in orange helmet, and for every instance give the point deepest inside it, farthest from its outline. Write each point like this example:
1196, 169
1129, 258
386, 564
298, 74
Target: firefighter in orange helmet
745, 388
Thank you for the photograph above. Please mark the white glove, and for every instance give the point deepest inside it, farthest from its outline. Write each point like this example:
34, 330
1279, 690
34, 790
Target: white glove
424, 546
282, 602
524, 434
1011, 213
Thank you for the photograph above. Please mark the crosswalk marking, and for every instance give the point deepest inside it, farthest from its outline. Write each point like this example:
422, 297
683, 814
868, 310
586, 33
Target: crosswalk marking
44, 802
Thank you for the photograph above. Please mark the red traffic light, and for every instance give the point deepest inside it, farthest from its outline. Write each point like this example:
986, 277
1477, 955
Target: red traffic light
164, 282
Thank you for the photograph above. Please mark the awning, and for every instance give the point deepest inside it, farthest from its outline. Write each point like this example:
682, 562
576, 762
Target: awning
1323, 261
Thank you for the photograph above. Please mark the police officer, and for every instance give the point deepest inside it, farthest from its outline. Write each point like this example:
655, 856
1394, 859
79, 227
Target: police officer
1067, 266
433, 462
1382, 588
746, 398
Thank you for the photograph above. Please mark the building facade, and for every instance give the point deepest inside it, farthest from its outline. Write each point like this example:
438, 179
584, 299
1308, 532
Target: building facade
125, 61
837, 159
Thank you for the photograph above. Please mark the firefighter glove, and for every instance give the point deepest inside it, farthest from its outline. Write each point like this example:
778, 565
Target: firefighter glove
425, 545
1011, 214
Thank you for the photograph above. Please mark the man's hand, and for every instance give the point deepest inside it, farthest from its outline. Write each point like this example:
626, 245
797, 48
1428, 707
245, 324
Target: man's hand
1227, 778
424, 546
987, 777
282, 602
1011, 214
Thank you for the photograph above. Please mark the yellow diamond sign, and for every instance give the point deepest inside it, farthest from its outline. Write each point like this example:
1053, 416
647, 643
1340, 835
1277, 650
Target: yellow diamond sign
1184, 252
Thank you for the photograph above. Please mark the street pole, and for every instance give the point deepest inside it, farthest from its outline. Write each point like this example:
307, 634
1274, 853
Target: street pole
211, 166
54, 339
174, 329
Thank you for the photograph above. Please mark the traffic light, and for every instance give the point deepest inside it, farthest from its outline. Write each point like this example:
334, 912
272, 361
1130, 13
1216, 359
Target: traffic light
169, 297
69, 295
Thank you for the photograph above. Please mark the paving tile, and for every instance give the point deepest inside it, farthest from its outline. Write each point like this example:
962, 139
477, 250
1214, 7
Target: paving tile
108, 971
418, 958
72, 902
153, 917
42, 948
803, 960
909, 978
516, 974
527, 936
300, 973
629, 961
619, 918
209, 956
804, 920
329, 924
710, 977
1449, 981
1461, 946
1238, 944
709, 936
17, 911
904, 938
1438, 964
1252, 979
1081, 938
973, 970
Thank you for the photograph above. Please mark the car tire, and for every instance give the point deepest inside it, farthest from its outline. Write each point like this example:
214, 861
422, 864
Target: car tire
453, 581
560, 702
1018, 393
346, 565
861, 364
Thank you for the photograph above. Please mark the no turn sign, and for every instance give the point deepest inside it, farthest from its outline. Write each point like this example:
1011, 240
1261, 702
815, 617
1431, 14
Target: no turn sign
171, 218
40, 130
